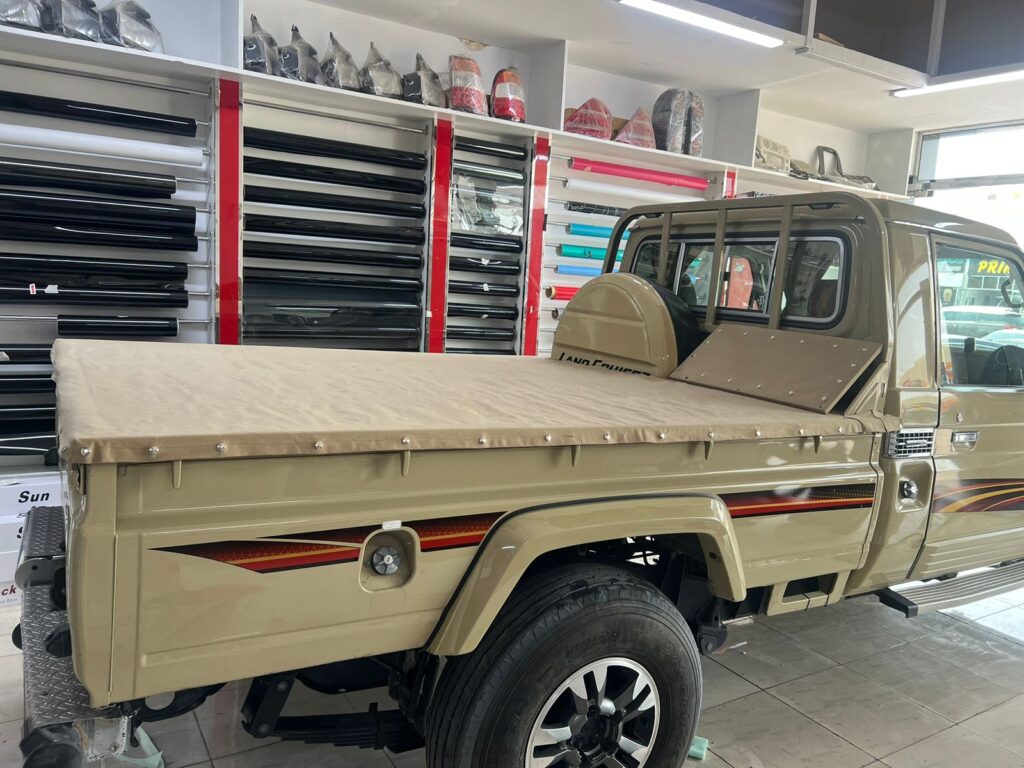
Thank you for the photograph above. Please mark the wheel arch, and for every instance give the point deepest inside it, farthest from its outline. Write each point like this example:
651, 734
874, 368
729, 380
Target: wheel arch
519, 538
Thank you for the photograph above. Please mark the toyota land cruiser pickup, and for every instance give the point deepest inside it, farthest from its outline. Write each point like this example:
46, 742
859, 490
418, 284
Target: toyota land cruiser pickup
777, 404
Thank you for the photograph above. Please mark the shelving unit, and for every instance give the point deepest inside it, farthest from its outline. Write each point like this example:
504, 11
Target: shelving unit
306, 273
109, 228
333, 250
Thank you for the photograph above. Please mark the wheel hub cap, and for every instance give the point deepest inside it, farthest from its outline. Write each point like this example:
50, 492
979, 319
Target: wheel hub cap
606, 714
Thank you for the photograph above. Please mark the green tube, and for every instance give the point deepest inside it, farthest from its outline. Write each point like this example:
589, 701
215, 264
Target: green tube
586, 252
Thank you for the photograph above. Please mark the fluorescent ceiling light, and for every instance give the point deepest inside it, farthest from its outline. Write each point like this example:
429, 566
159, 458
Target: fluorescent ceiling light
956, 85
704, 22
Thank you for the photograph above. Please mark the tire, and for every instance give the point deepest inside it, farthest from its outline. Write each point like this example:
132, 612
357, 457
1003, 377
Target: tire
556, 625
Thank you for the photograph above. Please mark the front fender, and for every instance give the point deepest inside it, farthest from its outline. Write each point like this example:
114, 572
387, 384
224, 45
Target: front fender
521, 537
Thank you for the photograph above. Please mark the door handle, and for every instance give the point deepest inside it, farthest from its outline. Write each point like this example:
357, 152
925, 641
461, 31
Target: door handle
965, 440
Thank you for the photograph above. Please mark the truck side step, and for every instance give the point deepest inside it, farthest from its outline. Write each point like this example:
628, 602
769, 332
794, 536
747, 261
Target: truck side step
917, 598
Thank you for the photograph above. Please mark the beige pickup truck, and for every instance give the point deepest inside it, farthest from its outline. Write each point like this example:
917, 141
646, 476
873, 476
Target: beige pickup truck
775, 405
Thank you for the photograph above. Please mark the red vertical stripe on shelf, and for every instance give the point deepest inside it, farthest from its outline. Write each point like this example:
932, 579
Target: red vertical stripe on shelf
229, 206
439, 236
535, 255
730, 184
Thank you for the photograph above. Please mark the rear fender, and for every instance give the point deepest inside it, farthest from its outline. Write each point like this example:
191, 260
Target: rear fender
521, 537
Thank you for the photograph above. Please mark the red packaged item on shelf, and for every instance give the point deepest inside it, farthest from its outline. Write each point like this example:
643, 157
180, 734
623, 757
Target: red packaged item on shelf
592, 119
639, 131
508, 96
467, 88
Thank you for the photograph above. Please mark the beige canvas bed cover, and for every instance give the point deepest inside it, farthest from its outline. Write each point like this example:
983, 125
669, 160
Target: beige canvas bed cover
148, 401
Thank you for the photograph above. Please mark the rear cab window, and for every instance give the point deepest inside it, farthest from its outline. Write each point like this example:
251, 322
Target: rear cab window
816, 277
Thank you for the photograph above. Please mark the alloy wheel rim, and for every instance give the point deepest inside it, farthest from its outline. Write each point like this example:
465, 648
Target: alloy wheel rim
603, 715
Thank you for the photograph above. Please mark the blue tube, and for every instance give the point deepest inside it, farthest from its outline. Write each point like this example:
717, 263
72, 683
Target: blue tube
565, 269
589, 230
586, 252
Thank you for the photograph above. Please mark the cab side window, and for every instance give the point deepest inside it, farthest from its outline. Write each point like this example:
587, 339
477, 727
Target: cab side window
981, 311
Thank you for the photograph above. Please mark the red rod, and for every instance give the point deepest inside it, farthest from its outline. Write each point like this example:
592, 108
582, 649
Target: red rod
229, 195
640, 174
561, 292
535, 258
443, 138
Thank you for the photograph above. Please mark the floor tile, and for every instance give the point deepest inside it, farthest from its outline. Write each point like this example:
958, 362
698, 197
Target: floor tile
981, 608
1009, 623
953, 748
10, 615
837, 635
1002, 726
10, 735
221, 723
180, 741
12, 702
766, 657
981, 651
876, 719
760, 730
722, 685
869, 610
294, 755
951, 691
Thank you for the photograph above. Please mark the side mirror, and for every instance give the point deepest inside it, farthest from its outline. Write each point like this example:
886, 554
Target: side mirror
1005, 287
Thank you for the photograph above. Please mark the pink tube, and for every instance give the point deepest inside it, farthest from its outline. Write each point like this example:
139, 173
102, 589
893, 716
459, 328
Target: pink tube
640, 174
560, 292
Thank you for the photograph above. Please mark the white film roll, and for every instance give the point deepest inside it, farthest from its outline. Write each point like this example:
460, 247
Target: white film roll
632, 193
71, 141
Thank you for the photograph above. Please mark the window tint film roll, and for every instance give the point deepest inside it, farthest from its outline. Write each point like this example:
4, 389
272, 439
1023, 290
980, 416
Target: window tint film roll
123, 117
260, 138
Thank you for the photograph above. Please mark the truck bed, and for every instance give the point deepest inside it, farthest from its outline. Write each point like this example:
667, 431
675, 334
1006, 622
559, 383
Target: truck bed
143, 401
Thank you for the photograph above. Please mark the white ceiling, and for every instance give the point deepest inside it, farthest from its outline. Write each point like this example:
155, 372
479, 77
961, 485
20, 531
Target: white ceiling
609, 37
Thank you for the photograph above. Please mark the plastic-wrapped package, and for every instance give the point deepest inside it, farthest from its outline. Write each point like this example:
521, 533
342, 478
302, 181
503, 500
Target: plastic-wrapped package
694, 125
128, 24
21, 13
339, 67
467, 86
639, 132
424, 86
72, 18
669, 120
592, 119
486, 206
379, 77
259, 50
508, 96
298, 60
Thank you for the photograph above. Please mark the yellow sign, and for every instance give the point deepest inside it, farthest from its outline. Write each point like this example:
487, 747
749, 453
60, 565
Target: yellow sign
992, 267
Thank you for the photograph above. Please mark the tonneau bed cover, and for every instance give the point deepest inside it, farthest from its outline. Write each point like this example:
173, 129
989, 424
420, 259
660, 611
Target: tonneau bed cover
147, 401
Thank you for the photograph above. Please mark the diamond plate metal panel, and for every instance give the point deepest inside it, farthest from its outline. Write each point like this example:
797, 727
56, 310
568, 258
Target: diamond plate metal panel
44, 532
52, 692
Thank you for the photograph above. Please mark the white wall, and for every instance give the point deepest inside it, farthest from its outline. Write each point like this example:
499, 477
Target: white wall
804, 136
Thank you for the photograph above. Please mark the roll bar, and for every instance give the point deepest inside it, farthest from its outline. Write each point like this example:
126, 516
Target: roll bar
784, 205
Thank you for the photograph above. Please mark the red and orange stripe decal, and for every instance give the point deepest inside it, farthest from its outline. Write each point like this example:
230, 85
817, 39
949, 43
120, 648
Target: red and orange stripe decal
992, 495
790, 499
269, 556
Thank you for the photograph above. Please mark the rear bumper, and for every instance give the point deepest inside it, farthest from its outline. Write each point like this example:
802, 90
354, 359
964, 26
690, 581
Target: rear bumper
61, 729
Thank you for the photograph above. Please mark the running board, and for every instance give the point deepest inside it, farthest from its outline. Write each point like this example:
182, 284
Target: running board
918, 598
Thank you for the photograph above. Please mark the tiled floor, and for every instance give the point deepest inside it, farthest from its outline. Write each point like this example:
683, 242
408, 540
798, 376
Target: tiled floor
846, 687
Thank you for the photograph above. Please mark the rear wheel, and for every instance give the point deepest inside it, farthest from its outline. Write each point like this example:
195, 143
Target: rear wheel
585, 666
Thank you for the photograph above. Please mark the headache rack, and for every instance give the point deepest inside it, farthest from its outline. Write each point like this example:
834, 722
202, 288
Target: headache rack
779, 214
